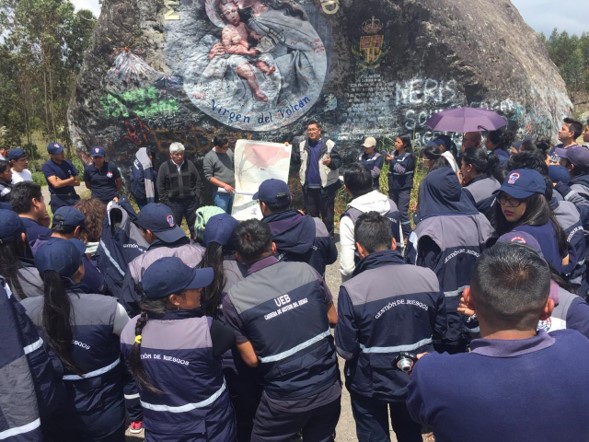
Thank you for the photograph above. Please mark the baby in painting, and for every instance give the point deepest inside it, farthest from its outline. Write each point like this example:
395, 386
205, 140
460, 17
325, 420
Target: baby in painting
234, 40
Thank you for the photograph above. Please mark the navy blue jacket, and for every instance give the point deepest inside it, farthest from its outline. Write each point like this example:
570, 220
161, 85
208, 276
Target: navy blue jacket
95, 399
302, 238
534, 389
63, 171
177, 355
102, 182
569, 219
26, 371
281, 308
401, 169
377, 320
480, 190
374, 164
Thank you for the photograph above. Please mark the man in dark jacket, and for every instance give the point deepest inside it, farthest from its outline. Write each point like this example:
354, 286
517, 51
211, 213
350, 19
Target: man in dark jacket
298, 237
281, 313
179, 186
378, 320
516, 383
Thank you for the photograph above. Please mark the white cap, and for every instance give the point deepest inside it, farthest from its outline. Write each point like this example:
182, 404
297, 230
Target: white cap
369, 142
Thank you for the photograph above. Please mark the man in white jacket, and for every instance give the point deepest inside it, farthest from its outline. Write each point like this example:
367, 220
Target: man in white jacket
358, 183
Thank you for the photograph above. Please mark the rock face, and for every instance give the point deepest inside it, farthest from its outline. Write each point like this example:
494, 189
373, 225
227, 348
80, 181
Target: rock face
168, 70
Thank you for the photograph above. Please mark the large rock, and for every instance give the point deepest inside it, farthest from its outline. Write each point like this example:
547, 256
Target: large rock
160, 71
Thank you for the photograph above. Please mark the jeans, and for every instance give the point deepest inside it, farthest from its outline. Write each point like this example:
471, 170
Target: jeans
223, 200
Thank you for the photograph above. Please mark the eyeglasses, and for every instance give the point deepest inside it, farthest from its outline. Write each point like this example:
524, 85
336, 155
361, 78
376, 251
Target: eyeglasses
508, 201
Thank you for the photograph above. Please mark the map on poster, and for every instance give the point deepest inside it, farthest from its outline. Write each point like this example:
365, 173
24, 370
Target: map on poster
256, 161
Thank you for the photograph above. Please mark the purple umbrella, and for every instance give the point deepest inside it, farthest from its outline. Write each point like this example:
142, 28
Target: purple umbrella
466, 119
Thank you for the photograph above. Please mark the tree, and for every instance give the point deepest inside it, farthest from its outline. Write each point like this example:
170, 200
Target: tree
40, 57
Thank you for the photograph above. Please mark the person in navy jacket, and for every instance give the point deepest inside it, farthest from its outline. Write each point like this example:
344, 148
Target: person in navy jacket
174, 352
298, 237
377, 321
62, 178
516, 383
102, 177
281, 313
83, 332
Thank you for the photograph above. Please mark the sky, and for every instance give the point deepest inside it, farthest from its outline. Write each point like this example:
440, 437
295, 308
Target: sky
542, 15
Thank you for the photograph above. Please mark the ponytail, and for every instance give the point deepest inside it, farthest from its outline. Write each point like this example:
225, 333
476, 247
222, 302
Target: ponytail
56, 319
156, 306
211, 295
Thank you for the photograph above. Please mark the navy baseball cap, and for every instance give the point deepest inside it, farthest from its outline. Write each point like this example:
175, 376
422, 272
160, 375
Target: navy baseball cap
16, 154
97, 151
67, 216
522, 238
11, 226
523, 183
159, 218
220, 229
54, 148
273, 191
559, 174
170, 275
63, 256
578, 155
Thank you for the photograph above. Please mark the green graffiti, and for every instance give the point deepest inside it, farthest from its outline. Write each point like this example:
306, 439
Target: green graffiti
143, 102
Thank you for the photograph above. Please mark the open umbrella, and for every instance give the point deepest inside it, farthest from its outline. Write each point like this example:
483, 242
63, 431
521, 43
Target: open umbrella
466, 119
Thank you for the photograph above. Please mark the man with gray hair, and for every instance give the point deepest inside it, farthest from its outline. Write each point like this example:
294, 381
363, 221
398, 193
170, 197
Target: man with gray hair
179, 186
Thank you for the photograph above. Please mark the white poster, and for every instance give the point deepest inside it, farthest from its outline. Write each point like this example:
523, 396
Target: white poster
256, 161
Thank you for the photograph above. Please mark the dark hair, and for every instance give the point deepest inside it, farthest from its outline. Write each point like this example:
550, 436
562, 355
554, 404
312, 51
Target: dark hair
502, 138
148, 306
482, 163
211, 294
252, 238
432, 153
56, 319
220, 141
575, 126
544, 144
406, 140
280, 205
537, 213
10, 252
357, 179
373, 231
4, 164
315, 122
22, 194
510, 285
94, 211
534, 160
449, 145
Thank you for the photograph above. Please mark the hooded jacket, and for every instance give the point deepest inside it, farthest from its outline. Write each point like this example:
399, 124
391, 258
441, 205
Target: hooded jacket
371, 201
448, 239
302, 238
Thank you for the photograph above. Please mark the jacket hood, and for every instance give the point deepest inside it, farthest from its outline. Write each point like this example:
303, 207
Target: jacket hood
292, 231
372, 201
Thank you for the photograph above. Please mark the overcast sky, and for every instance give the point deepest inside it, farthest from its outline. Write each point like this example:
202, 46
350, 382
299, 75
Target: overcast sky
542, 15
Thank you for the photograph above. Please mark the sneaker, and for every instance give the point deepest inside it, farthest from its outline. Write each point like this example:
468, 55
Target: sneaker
136, 427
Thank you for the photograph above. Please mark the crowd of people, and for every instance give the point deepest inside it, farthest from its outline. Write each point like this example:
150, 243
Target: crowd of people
465, 318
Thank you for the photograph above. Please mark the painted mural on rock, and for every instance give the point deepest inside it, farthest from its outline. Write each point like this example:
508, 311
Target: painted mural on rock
258, 69
255, 65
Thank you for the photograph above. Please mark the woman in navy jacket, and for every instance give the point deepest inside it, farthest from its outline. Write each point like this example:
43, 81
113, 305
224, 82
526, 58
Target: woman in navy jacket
83, 331
174, 352
401, 168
